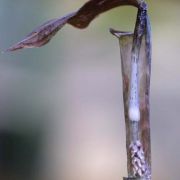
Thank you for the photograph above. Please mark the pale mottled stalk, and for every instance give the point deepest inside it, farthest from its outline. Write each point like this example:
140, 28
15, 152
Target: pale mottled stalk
136, 61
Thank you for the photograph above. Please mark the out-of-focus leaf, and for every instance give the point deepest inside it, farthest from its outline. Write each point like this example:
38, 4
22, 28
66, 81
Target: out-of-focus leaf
80, 19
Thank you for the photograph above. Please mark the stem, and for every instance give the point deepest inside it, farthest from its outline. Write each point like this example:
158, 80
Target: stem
133, 178
136, 61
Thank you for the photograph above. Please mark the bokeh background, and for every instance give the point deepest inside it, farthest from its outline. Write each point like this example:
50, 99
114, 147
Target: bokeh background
61, 111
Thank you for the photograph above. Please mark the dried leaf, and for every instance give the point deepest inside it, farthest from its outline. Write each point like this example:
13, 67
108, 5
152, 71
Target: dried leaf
93, 8
80, 19
41, 35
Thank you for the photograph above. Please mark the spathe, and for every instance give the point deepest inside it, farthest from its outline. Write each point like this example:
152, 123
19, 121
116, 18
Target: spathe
137, 87
80, 19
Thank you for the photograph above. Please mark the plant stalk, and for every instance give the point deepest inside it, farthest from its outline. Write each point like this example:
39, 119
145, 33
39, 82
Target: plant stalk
136, 65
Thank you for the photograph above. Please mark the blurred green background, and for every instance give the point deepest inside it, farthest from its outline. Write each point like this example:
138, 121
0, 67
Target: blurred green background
61, 111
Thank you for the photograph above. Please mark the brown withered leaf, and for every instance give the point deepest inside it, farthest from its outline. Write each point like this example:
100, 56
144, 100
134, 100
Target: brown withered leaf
41, 35
93, 8
80, 19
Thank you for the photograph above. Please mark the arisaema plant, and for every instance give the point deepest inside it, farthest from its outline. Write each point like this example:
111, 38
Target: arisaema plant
135, 51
